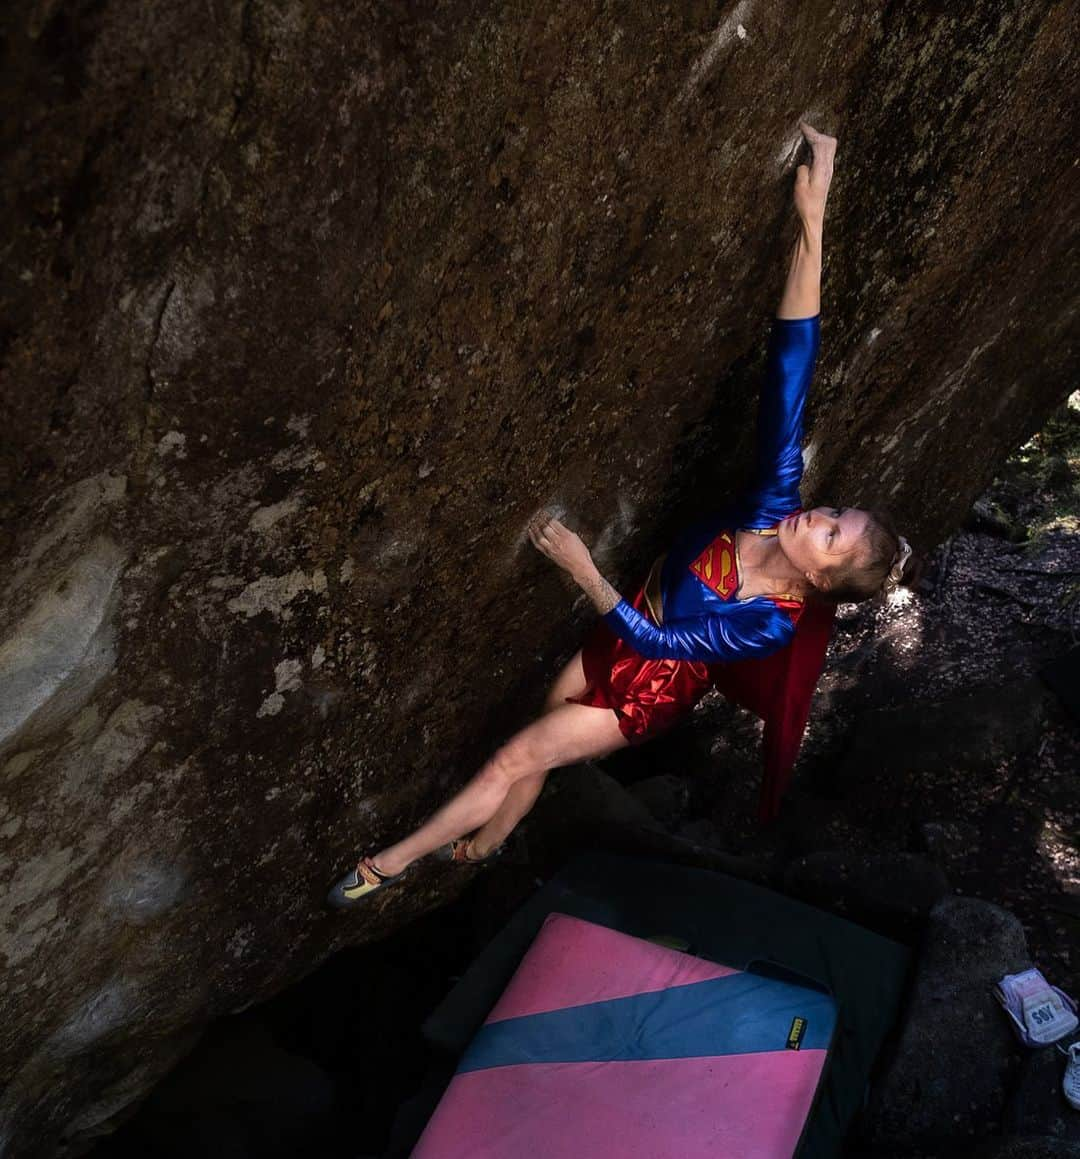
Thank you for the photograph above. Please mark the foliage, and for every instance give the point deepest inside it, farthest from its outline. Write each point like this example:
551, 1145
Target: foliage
1039, 485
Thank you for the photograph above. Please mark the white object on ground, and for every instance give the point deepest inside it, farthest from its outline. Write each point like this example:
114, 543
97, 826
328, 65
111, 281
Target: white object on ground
1070, 1084
1040, 1013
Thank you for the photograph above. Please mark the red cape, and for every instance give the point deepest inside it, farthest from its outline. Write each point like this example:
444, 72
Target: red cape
778, 688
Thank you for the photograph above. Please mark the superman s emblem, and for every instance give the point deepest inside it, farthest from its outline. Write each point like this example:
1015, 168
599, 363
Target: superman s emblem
715, 566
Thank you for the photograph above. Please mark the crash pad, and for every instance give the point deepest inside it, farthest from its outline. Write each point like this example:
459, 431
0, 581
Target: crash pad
605, 1044
724, 920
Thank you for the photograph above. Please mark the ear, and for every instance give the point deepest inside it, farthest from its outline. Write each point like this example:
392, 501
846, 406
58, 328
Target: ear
819, 580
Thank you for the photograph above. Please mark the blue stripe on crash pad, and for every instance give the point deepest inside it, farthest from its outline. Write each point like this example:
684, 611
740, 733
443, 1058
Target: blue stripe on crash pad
738, 1014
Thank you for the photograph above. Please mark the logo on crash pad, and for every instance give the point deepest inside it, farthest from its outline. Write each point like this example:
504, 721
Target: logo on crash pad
715, 566
796, 1033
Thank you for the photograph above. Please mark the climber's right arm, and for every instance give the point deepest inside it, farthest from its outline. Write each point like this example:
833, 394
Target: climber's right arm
564, 547
743, 631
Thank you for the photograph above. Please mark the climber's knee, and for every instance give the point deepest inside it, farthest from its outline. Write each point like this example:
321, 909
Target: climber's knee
553, 700
519, 757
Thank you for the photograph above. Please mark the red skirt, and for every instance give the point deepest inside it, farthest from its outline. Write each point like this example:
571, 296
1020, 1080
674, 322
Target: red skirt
648, 696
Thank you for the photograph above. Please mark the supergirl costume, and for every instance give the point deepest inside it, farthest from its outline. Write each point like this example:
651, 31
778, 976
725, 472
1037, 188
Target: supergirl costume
687, 630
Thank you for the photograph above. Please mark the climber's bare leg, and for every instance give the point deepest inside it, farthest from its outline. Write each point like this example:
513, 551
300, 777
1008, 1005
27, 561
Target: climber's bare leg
522, 794
569, 682
572, 732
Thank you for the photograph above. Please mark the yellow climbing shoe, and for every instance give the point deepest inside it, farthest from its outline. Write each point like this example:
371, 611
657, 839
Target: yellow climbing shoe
359, 883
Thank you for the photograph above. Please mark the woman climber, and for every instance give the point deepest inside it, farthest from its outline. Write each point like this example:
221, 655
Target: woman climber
729, 593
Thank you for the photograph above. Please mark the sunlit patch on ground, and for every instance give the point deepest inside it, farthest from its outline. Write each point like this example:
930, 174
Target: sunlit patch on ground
1059, 844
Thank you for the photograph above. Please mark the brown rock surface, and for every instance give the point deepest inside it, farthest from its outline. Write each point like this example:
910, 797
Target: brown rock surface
306, 307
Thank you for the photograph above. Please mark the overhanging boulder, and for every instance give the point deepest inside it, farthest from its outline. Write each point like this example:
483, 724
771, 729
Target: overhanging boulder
307, 307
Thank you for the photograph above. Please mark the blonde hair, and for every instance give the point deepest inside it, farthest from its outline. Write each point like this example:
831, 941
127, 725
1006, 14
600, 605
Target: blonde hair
882, 561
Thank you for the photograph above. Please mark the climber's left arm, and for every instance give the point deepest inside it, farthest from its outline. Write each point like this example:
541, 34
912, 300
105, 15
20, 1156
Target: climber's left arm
802, 290
793, 344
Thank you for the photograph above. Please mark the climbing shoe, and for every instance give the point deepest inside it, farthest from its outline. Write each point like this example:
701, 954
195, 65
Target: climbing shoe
358, 884
458, 851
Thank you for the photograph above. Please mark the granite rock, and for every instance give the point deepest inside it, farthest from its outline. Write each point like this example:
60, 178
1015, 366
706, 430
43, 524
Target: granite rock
306, 307
953, 1065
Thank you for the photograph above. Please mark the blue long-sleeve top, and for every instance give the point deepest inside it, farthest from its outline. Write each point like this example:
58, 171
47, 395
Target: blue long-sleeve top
702, 618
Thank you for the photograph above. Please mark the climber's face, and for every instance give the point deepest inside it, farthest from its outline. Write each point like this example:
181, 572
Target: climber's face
816, 541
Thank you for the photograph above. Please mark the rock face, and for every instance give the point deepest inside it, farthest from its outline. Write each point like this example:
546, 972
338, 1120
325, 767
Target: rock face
931, 1097
307, 307
1029, 1148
